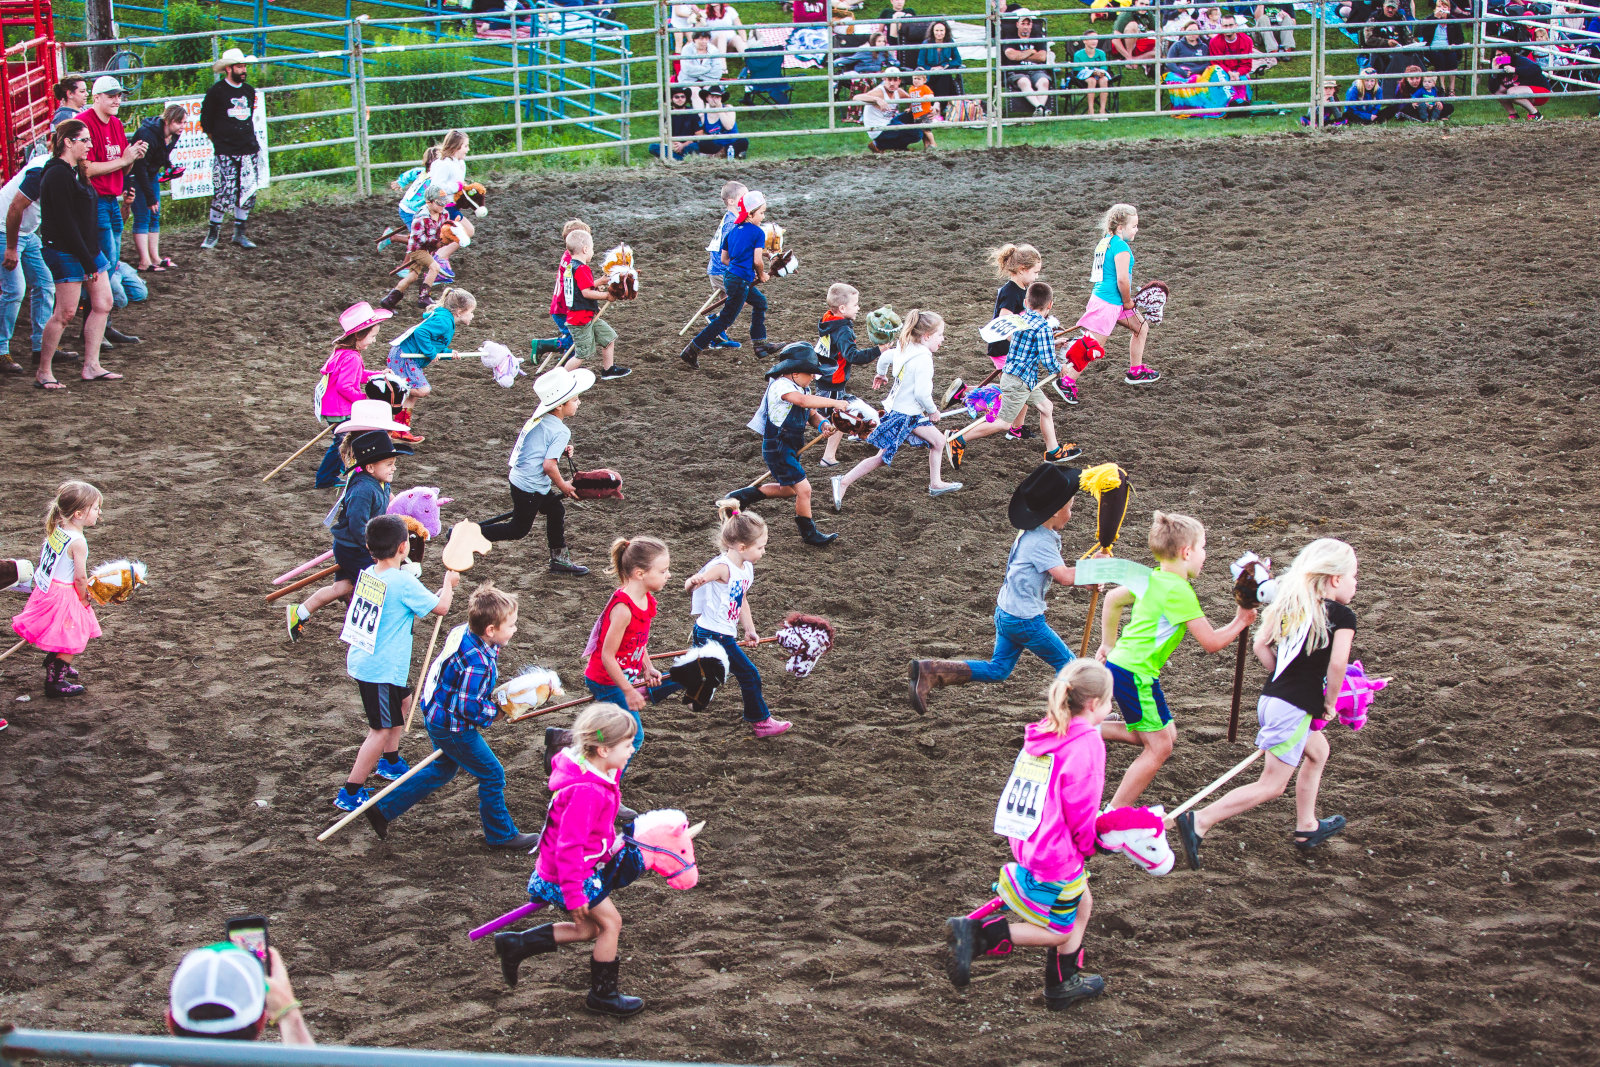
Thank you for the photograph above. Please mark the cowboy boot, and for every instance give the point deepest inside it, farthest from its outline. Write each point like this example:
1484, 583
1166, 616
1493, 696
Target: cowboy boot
691, 354
213, 233
239, 238
764, 347
811, 535
931, 674
424, 296
541, 345
974, 937
746, 496
555, 739
513, 947
56, 683
603, 995
409, 436
391, 299
1065, 983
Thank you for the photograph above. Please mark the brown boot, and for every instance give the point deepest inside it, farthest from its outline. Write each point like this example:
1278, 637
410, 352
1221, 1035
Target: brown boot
391, 299
691, 354
930, 674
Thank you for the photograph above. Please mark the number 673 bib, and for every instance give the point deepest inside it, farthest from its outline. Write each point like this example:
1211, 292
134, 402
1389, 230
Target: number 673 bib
366, 608
1021, 806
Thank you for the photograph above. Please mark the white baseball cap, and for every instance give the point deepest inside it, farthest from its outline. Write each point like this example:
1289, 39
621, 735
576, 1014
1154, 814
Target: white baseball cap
752, 202
106, 84
217, 990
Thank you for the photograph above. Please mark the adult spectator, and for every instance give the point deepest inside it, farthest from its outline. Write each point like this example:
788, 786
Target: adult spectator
940, 58
226, 117
811, 10
109, 161
1136, 20
219, 992
72, 96
701, 66
159, 135
1388, 36
727, 32
1442, 41
1189, 55
685, 126
70, 228
899, 22
1024, 58
1231, 50
683, 21
888, 128
24, 262
718, 124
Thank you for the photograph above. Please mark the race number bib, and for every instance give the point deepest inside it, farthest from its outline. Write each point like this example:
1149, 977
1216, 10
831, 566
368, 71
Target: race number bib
1097, 271
366, 608
54, 545
1022, 802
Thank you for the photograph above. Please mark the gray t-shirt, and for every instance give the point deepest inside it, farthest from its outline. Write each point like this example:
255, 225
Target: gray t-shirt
1035, 552
546, 439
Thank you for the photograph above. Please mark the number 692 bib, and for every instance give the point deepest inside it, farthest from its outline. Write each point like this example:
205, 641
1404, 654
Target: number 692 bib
1021, 806
366, 608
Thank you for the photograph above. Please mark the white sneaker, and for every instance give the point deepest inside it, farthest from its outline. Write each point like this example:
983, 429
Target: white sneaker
838, 492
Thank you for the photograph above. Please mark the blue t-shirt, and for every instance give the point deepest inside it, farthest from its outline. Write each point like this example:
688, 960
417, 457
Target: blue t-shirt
365, 498
741, 244
1104, 271
546, 439
1032, 557
404, 599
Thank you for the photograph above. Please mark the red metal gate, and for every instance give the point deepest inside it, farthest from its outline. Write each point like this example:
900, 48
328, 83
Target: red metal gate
27, 76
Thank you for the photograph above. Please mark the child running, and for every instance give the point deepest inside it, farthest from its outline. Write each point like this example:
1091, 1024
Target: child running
372, 457
558, 299
618, 648
716, 270
582, 859
1047, 885
910, 407
1304, 641
412, 186
387, 600
419, 346
786, 409
344, 380
1040, 507
537, 486
1020, 266
426, 251
837, 351
590, 333
1111, 302
1161, 615
721, 602
743, 253
58, 618
458, 705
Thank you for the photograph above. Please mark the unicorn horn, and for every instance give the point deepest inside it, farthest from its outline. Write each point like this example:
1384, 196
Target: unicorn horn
696, 828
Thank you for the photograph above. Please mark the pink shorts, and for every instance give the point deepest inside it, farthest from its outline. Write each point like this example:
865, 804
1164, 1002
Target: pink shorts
1102, 316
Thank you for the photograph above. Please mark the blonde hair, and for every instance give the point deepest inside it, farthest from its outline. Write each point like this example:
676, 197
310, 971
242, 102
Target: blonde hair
347, 451
71, 498
488, 607
733, 190
452, 141
1079, 687
1303, 589
840, 294
1009, 259
454, 300
919, 326
637, 554
574, 224
741, 530
578, 240
1117, 216
1171, 533
600, 726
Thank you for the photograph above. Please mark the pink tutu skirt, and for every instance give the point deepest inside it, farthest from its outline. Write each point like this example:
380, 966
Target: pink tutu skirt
56, 620
1102, 316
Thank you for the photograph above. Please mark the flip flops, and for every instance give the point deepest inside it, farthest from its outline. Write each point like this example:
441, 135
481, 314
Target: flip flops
50, 385
166, 263
104, 376
1190, 839
1305, 840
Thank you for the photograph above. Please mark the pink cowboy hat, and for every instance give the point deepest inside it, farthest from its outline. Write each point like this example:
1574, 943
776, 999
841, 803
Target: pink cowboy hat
360, 316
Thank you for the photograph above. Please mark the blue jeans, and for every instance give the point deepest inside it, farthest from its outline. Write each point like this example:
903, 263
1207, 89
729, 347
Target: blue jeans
561, 330
740, 292
755, 707
610, 694
126, 285
1011, 636
331, 467
30, 273
691, 147
110, 213
467, 750
146, 207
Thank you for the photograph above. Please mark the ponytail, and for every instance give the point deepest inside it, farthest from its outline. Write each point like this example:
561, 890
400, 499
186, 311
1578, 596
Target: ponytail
1081, 685
919, 325
1009, 258
639, 553
71, 498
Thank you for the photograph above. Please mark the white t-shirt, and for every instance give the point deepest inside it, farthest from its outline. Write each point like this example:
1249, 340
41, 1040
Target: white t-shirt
448, 174
718, 603
8, 193
55, 559
777, 408
911, 369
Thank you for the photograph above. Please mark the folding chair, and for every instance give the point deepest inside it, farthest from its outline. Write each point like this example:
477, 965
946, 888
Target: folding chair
762, 75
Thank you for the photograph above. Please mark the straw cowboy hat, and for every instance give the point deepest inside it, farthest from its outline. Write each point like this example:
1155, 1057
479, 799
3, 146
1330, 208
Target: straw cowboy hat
232, 58
369, 415
558, 386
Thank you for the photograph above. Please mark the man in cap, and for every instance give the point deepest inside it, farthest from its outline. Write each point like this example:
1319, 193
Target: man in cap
109, 160
226, 117
220, 992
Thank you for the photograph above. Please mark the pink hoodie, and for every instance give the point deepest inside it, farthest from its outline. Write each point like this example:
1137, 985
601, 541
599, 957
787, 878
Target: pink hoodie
1065, 837
347, 382
579, 830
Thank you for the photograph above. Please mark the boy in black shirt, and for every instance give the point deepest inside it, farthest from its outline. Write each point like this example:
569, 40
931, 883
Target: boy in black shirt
836, 348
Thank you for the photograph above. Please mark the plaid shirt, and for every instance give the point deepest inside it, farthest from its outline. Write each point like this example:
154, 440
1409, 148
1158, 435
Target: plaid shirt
1033, 350
425, 232
461, 699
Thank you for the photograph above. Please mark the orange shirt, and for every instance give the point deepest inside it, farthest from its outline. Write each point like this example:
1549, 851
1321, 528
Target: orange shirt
924, 109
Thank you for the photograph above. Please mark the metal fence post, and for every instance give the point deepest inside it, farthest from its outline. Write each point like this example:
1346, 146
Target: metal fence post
995, 133
663, 89
516, 72
832, 87
626, 56
358, 107
1319, 61
1477, 44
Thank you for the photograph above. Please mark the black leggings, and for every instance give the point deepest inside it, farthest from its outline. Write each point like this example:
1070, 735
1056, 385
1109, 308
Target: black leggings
525, 507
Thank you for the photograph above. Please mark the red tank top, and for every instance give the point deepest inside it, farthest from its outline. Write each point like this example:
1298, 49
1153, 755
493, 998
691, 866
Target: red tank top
630, 653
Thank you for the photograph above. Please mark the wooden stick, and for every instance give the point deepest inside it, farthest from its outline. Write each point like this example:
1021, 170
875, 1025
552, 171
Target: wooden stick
703, 309
556, 707
12, 649
427, 658
315, 576
1172, 816
1088, 624
803, 450
385, 791
682, 651
1238, 686
307, 565
326, 430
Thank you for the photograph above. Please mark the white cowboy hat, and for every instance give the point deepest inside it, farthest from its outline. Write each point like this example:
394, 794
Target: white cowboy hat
558, 386
369, 415
232, 58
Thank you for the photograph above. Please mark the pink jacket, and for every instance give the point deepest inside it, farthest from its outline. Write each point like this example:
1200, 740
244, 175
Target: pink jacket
1065, 837
579, 830
347, 382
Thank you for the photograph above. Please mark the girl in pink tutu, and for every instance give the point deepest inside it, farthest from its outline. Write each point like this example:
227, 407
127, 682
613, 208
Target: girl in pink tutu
57, 617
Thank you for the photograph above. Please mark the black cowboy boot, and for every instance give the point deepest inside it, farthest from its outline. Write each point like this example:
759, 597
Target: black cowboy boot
513, 948
391, 299
969, 938
930, 674
555, 739
811, 535
603, 995
691, 354
1064, 983
746, 496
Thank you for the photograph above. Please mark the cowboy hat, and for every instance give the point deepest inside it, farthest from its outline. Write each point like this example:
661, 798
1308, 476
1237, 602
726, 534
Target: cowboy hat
375, 446
558, 386
714, 90
232, 58
1043, 493
359, 316
369, 415
796, 358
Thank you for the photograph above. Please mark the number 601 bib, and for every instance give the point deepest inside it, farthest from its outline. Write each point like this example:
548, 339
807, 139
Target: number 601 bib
366, 608
1021, 804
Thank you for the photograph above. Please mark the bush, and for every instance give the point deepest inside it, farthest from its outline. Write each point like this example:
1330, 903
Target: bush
189, 18
450, 63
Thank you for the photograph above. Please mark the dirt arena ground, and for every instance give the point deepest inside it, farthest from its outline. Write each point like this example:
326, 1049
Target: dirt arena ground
1384, 338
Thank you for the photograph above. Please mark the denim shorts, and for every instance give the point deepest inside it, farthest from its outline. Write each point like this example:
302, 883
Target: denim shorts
64, 267
783, 462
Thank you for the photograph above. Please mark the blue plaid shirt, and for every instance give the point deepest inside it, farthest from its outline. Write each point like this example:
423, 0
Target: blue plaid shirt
1033, 350
461, 700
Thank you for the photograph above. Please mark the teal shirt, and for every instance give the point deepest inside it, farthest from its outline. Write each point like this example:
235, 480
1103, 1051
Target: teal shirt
1086, 60
1104, 271
433, 335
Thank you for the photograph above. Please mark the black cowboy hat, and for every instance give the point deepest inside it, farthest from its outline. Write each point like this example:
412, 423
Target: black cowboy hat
374, 446
796, 358
1043, 493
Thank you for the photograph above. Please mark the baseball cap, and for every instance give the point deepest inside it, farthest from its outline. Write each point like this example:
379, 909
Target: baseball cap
217, 990
106, 84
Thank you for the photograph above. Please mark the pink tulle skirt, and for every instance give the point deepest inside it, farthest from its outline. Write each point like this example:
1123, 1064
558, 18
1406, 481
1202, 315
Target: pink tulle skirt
56, 620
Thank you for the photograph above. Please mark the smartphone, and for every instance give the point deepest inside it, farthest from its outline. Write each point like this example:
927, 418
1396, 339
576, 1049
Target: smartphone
249, 932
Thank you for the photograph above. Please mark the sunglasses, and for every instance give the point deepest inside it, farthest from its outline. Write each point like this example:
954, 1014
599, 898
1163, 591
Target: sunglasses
85, 139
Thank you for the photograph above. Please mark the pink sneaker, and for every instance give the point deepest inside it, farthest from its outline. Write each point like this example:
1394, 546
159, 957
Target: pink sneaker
770, 727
